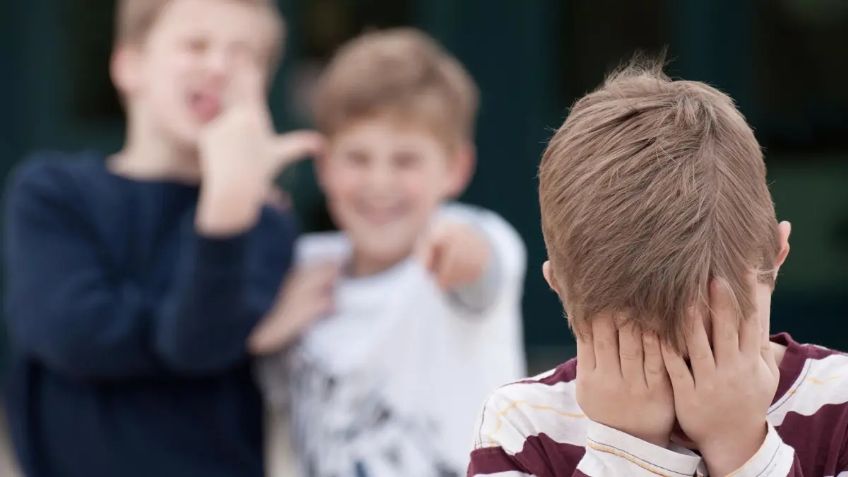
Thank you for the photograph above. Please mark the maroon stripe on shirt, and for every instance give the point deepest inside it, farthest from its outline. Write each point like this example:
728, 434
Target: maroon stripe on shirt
541, 456
563, 373
491, 460
793, 361
820, 455
562, 458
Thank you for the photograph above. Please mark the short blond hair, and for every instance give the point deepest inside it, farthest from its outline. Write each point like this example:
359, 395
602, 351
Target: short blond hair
402, 72
135, 18
651, 188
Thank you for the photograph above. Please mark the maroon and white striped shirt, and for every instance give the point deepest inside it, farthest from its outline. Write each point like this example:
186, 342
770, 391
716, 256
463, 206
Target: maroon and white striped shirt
535, 427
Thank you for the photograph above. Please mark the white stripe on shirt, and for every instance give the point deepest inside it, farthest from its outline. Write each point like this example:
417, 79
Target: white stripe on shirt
822, 382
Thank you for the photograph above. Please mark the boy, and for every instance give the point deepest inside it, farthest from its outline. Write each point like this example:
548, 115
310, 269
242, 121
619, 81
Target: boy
425, 318
664, 249
134, 280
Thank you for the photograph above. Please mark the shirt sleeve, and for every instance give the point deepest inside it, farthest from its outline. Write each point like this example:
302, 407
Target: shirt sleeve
77, 316
611, 452
773, 459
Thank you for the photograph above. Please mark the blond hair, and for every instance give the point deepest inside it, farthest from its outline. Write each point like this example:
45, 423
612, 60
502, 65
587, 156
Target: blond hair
402, 72
649, 189
135, 18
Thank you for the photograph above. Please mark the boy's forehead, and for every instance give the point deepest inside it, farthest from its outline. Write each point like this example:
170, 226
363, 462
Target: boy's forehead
390, 128
230, 19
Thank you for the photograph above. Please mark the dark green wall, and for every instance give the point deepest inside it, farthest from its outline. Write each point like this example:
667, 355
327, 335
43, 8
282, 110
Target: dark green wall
531, 59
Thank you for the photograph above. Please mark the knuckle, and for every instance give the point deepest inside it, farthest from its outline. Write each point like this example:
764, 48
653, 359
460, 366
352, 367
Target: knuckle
654, 370
603, 344
677, 374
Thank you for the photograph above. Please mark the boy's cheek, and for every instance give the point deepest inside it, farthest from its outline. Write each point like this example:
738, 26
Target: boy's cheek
337, 180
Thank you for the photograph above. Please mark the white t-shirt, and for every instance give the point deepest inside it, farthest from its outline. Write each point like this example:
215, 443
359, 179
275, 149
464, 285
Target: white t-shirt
390, 385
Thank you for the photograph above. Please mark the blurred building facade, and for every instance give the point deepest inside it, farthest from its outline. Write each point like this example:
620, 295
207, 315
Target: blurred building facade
783, 60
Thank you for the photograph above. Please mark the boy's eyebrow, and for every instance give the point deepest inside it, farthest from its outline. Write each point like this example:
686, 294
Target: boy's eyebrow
242, 44
250, 48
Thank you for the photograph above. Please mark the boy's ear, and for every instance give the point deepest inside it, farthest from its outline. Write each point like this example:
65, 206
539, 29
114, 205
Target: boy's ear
464, 162
124, 68
784, 229
549, 276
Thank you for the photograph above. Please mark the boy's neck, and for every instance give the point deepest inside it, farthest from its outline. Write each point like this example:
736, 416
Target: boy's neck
150, 156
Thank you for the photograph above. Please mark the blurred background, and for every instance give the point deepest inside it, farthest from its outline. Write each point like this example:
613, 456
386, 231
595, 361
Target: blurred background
784, 61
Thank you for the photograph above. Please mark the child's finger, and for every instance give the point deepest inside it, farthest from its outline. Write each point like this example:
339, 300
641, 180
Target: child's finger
655, 372
314, 279
630, 353
698, 345
330, 268
450, 264
724, 320
267, 336
427, 249
322, 306
290, 147
605, 341
678, 373
752, 337
429, 253
327, 274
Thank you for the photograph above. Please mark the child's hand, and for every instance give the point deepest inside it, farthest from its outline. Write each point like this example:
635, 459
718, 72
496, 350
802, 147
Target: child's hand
622, 382
240, 155
306, 296
722, 402
456, 254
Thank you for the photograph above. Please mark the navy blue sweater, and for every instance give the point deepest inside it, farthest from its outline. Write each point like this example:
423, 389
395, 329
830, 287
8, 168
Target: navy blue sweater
128, 328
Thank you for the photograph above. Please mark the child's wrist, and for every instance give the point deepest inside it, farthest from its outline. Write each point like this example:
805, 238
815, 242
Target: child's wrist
727, 453
655, 439
227, 211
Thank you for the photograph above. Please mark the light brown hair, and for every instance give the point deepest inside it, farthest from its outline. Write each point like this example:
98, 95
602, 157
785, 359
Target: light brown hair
649, 189
402, 72
135, 18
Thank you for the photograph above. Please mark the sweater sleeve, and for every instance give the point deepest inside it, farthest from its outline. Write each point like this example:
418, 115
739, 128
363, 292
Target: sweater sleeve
220, 294
74, 314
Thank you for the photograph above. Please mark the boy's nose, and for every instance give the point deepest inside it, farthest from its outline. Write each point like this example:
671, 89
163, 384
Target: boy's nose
380, 178
219, 62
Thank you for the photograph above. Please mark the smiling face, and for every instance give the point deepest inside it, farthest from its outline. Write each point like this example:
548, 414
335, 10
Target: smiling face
175, 80
383, 180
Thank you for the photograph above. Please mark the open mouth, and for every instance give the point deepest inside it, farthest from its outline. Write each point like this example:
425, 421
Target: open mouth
204, 106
